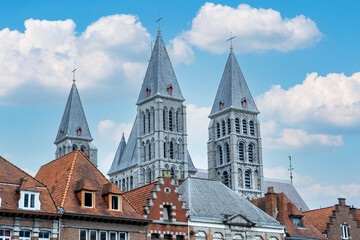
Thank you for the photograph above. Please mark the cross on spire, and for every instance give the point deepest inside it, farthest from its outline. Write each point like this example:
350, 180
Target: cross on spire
230, 39
158, 21
291, 169
73, 71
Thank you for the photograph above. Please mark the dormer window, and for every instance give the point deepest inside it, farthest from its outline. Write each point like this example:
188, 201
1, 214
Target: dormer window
297, 221
221, 105
170, 89
115, 203
244, 102
88, 199
29, 200
61, 133
147, 91
79, 131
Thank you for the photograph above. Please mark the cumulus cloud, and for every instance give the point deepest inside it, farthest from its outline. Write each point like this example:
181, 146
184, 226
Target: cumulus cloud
333, 99
111, 131
105, 163
40, 60
256, 29
180, 51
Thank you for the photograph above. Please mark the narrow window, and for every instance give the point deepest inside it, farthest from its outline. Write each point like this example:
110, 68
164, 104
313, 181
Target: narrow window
26, 200
251, 153
144, 124
171, 150
221, 105
147, 91
220, 155
32, 200
113, 236
122, 236
149, 151
229, 126
244, 125
61, 133
218, 130
123, 185
103, 235
149, 122
170, 89
167, 213
223, 128
248, 179
93, 234
75, 147
173, 173
227, 150
131, 182
252, 128
144, 153
115, 202
226, 178
165, 150
237, 125
177, 121
148, 175
164, 118
170, 120
241, 152
240, 178
83, 234
79, 131
345, 231
88, 199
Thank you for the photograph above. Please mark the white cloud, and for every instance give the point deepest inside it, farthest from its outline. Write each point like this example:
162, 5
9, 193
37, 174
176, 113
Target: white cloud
180, 51
110, 53
197, 128
111, 131
287, 138
333, 100
256, 29
105, 163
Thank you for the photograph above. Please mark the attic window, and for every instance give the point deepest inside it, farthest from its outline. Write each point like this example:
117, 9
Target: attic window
29, 200
297, 221
115, 203
61, 133
88, 199
221, 105
244, 102
79, 131
170, 89
147, 91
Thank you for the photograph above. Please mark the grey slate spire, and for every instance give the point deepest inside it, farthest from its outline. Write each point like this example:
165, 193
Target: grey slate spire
233, 90
159, 76
73, 119
74, 132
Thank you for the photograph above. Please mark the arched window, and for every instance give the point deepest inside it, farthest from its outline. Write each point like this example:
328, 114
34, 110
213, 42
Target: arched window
241, 152
144, 153
237, 237
219, 154
131, 182
218, 130
165, 155
251, 152
171, 150
226, 178
252, 128
143, 175
170, 120
60, 152
153, 173
153, 119
217, 236
64, 150
173, 172
244, 126
237, 125
149, 151
164, 119
177, 121
227, 151
83, 148
256, 180
75, 147
258, 238
149, 121
229, 125
148, 175
200, 235
240, 178
152, 149
123, 185
181, 171
144, 123
127, 183
223, 128
179, 151
248, 179
116, 183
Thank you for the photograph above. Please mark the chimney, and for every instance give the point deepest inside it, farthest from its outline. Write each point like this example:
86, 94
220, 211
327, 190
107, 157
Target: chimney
341, 202
271, 207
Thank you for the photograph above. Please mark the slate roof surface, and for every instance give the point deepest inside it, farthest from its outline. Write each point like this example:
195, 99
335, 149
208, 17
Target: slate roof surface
233, 89
73, 118
285, 209
289, 190
138, 196
320, 217
160, 75
62, 175
212, 199
12, 179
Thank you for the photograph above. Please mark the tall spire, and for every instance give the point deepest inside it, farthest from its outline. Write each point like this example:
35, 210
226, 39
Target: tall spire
233, 91
73, 123
160, 79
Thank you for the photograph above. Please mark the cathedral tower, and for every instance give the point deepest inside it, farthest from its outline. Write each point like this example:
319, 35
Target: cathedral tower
158, 141
74, 132
234, 146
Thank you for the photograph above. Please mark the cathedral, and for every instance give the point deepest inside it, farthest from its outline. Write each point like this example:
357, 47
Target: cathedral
157, 144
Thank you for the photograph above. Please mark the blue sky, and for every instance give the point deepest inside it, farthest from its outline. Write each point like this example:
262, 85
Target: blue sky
300, 60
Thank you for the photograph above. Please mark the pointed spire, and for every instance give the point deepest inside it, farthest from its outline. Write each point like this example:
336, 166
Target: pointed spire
160, 79
73, 123
120, 150
233, 91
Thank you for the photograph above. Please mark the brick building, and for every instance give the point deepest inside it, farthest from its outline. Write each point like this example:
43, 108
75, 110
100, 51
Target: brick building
159, 201
278, 206
27, 210
92, 207
337, 222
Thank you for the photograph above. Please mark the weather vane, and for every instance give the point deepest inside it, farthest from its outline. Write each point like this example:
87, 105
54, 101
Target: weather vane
73, 71
230, 39
158, 21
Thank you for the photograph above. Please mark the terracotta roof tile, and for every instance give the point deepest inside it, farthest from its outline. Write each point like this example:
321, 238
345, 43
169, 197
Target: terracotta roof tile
84, 184
140, 195
111, 188
320, 217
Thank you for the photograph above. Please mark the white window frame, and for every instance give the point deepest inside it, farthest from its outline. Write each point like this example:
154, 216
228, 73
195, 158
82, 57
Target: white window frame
126, 235
42, 238
112, 233
345, 231
25, 238
86, 234
118, 203
96, 234
37, 204
106, 235
5, 237
92, 199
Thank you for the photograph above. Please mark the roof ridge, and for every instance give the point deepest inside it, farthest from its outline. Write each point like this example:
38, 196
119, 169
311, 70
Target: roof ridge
318, 209
152, 183
69, 179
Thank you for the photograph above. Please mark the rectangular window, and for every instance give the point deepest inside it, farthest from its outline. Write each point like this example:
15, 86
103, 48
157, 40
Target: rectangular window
345, 231
26, 200
122, 236
93, 235
115, 202
32, 200
155, 236
178, 237
88, 199
103, 235
167, 213
44, 235
167, 237
5, 235
113, 236
297, 221
24, 235
83, 234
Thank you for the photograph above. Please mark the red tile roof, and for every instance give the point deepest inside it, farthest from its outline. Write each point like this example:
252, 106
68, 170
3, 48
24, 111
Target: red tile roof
62, 176
140, 195
13, 179
320, 217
